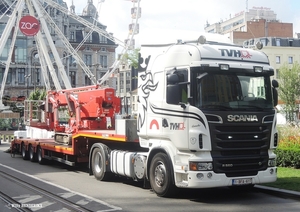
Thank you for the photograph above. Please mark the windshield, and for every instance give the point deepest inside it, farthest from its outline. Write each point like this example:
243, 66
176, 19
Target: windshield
232, 92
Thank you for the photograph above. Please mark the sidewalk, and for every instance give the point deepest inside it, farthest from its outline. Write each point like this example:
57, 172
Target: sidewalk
279, 192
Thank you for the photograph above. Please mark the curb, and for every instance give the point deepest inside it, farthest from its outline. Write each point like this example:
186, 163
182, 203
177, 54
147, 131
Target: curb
279, 192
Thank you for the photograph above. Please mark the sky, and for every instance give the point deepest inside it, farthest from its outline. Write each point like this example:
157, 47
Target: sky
169, 20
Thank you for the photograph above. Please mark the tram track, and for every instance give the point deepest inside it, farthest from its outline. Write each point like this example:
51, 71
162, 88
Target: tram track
66, 204
12, 204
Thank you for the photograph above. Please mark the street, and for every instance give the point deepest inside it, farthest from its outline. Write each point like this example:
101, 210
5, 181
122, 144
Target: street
76, 186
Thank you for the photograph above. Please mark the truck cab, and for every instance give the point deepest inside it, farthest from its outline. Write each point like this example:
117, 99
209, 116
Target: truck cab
208, 105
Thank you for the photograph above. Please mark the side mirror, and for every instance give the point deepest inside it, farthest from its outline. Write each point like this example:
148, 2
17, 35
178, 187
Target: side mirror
275, 83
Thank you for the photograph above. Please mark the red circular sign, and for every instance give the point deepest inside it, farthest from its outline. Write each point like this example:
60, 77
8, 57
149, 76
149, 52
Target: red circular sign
29, 25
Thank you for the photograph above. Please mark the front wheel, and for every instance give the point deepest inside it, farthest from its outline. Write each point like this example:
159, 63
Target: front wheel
161, 176
99, 161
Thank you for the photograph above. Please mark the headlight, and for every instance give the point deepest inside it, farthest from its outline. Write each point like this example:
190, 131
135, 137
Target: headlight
201, 166
271, 163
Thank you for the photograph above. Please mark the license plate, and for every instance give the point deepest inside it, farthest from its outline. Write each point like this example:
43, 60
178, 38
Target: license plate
245, 181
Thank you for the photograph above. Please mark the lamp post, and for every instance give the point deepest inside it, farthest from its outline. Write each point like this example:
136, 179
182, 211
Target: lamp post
27, 82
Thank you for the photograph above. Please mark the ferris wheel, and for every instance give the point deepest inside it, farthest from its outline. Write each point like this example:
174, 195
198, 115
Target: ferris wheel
42, 14
129, 42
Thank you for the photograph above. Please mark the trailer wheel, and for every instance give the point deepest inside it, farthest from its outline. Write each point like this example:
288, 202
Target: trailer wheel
160, 176
25, 154
40, 158
32, 154
99, 164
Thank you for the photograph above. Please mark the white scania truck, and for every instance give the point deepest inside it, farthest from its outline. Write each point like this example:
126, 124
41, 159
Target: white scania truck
206, 114
206, 118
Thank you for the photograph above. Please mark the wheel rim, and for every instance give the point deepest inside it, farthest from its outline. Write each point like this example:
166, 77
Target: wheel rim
98, 162
160, 174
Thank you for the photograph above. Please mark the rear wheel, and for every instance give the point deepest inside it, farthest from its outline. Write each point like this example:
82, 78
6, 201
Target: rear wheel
25, 154
40, 158
32, 154
161, 176
99, 159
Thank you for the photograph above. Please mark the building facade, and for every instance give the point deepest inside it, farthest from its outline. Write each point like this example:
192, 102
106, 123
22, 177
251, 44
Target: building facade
280, 51
96, 51
257, 22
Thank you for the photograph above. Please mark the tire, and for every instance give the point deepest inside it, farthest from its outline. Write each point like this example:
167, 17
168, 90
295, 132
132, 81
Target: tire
40, 158
160, 176
99, 164
25, 154
32, 154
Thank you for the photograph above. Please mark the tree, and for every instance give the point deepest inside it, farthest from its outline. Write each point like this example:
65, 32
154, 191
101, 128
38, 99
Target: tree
38, 94
289, 88
132, 58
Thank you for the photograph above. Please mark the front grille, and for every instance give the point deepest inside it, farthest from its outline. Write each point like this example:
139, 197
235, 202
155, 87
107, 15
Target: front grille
240, 150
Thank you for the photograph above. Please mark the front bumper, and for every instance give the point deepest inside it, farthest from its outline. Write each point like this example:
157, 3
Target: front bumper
209, 179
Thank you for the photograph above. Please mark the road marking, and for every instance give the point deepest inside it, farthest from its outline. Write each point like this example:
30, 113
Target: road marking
27, 198
113, 208
66, 195
83, 202
43, 204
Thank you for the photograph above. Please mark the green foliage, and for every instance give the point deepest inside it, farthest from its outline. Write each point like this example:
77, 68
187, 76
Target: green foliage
287, 178
4, 123
289, 88
288, 151
132, 58
38, 94
288, 157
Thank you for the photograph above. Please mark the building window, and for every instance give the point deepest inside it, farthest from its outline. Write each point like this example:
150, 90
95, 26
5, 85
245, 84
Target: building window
87, 59
72, 36
21, 50
277, 59
73, 78
290, 60
21, 75
278, 42
8, 79
36, 76
103, 61
263, 41
72, 61
103, 39
87, 80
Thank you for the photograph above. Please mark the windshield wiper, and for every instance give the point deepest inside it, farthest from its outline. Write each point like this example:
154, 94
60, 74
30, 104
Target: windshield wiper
221, 107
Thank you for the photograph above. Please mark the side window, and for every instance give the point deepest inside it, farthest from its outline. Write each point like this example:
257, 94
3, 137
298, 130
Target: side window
177, 90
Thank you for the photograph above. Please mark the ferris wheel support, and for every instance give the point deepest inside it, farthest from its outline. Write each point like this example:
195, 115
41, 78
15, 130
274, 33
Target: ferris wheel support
58, 61
43, 52
69, 47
